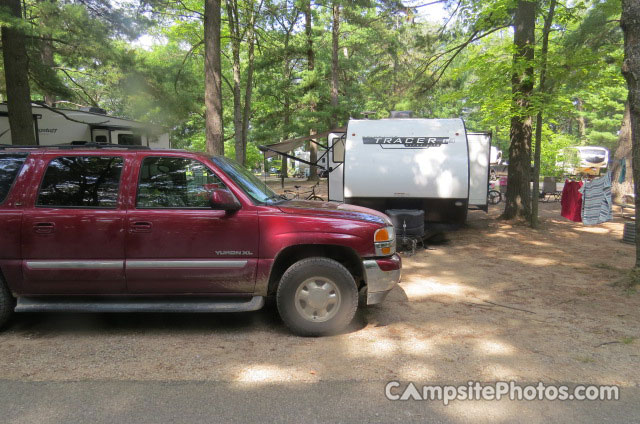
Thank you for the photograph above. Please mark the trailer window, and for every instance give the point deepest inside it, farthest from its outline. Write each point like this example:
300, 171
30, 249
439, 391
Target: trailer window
129, 140
338, 150
10, 166
81, 182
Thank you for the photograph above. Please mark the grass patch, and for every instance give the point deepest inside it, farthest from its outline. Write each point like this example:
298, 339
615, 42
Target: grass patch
630, 280
604, 265
584, 359
627, 340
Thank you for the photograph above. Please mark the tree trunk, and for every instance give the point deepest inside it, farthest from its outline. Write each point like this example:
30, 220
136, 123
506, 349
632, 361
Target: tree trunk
16, 77
622, 153
542, 89
212, 78
582, 125
335, 34
313, 147
286, 107
518, 190
251, 41
46, 55
287, 113
630, 23
234, 31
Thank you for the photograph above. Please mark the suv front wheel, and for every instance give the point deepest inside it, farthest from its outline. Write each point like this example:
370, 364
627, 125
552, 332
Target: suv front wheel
317, 297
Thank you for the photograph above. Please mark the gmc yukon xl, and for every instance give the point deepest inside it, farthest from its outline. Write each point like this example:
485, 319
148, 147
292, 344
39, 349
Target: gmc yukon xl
115, 229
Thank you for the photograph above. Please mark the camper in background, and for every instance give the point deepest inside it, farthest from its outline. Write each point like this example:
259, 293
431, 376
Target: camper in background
88, 125
583, 160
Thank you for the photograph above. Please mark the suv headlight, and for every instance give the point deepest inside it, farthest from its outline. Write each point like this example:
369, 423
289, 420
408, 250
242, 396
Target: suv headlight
384, 240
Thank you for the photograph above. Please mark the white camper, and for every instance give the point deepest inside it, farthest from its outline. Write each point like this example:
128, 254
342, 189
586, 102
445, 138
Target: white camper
93, 125
432, 165
587, 160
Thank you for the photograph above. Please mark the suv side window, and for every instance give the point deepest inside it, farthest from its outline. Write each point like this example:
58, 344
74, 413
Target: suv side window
81, 182
171, 182
9, 167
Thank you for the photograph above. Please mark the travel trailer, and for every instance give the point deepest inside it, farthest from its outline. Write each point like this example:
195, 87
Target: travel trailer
432, 165
583, 160
89, 125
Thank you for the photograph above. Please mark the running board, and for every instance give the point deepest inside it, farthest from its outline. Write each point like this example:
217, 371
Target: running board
70, 304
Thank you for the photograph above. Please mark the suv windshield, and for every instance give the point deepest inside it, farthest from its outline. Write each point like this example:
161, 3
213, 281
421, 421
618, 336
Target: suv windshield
9, 167
256, 189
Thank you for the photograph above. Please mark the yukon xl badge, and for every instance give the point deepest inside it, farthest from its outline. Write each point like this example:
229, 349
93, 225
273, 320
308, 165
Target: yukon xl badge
407, 142
234, 253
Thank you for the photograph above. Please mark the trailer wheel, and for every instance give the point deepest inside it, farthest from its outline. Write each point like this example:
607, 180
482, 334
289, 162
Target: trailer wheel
317, 297
7, 303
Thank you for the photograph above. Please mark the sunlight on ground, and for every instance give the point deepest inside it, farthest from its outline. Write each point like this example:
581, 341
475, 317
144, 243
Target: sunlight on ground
593, 230
376, 346
528, 260
271, 374
419, 288
538, 243
417, 347
493, 347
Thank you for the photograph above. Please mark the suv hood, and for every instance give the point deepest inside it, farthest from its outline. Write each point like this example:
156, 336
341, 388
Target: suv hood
333, 210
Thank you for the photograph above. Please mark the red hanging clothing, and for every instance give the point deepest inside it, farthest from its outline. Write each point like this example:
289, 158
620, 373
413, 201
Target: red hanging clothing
572, 201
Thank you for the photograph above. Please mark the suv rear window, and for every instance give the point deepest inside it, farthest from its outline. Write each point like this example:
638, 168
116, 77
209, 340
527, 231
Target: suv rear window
81, 182
9, 167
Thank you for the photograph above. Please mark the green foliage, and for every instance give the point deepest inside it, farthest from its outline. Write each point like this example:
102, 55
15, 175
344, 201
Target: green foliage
254, 156
390, 58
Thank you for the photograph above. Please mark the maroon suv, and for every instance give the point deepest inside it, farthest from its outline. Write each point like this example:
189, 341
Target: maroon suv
108, 229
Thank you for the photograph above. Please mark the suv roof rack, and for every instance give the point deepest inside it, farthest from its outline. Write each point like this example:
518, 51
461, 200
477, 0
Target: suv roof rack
75, 146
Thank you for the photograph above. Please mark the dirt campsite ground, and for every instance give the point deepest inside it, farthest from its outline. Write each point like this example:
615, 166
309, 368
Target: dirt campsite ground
496, 301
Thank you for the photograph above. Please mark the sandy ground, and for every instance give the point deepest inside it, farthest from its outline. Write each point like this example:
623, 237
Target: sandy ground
497, 301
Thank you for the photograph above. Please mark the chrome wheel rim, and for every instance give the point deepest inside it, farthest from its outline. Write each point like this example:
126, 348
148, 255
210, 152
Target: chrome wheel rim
317, 299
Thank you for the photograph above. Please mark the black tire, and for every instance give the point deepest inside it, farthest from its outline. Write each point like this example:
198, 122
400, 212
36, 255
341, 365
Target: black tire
316, 198
328, 270
7, 303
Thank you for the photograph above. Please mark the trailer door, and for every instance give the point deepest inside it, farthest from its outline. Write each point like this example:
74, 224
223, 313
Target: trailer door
336, 164
479, 155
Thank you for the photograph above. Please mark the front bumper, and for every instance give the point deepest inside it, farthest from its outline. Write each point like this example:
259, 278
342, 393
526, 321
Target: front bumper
381, 275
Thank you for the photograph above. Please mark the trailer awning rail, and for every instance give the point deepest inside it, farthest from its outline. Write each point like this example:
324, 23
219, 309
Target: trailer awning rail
286, 146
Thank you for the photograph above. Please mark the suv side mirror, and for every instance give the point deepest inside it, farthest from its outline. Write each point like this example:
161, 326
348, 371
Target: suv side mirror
224, 200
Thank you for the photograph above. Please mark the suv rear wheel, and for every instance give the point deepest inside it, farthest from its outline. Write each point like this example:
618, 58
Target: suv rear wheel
317, 297
6, 303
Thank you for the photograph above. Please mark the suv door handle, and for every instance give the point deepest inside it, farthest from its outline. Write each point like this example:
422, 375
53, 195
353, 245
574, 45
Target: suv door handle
141, 227
44, 227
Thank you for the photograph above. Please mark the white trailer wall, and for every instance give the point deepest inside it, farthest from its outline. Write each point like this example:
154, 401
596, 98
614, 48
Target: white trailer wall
54, 128
406, 158
479, 157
